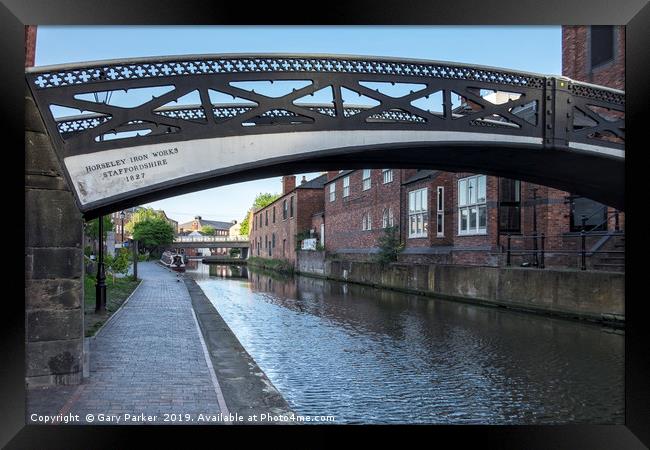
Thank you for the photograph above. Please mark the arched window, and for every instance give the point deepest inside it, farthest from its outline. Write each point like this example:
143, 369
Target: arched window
385, 219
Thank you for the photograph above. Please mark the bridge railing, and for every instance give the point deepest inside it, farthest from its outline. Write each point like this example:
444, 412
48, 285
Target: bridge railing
181, 239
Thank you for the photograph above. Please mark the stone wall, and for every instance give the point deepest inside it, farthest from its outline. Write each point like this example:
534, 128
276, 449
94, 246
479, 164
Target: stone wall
597, 296
312, 262
53, 263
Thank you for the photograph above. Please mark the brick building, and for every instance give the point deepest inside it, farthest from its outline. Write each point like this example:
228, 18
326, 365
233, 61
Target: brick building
220, 228
276, 228
465, 218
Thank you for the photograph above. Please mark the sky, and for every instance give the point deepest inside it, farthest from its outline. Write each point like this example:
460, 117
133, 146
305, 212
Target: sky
525, 48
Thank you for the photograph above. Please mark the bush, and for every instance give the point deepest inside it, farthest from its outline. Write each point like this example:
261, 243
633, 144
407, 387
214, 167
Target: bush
281, 265
88, 250
389, 246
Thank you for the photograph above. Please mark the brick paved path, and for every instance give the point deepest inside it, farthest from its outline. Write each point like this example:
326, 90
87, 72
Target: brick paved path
149, 358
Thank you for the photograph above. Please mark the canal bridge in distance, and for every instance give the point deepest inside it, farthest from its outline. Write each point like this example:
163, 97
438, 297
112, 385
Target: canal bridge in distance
210, 242
186, 242
103, 136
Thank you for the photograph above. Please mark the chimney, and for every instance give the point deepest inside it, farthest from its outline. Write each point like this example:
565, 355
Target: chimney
304, 180
288, 183
331, 174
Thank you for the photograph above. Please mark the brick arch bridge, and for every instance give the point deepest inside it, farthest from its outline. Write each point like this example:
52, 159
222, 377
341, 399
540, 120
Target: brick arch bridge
102, 136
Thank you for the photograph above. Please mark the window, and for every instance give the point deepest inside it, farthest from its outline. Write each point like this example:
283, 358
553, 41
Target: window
602, 44
332, 192
346, 187
291, 206
418, 213
440, 212
387, 218
594, 212
366, 222
274, 214
472, 205
266, 217
388, 175
366, 179
284, 209
509, 206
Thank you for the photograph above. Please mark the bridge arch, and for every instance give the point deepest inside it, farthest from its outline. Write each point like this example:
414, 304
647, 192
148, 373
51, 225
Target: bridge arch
211, 120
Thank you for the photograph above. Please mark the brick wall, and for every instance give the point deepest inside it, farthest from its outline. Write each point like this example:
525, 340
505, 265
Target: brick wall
344, 216
576, 62
30, 45
307, 201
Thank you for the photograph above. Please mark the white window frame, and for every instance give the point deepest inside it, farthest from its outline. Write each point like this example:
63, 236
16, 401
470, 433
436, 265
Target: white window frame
346, 186
440, 211
387, 175
366, 222
387, 217
418, 213
366, 180
333, 192
472, 205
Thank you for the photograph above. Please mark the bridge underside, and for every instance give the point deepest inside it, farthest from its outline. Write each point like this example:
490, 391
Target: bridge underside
588, 174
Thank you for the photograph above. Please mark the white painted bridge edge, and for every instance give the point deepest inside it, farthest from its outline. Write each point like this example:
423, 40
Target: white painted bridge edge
205, 155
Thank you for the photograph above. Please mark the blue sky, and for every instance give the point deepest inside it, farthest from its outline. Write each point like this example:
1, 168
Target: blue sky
532, 49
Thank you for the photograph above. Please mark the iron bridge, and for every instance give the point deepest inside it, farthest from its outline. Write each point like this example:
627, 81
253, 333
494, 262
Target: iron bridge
138, 130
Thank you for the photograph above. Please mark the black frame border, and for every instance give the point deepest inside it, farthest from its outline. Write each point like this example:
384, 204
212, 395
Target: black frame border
635, 14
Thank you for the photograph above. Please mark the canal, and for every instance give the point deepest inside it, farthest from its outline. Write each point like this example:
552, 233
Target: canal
366, 355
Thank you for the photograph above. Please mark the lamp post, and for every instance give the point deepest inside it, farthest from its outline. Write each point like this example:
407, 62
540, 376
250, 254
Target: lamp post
534, 191
122, 216
100, 286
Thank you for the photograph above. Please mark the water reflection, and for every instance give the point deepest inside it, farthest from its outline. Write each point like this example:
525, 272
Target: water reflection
374, 356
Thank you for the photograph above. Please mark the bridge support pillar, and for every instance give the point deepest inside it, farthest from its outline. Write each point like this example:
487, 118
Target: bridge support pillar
53, 264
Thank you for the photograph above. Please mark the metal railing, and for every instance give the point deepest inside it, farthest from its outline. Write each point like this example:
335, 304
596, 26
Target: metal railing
539, 250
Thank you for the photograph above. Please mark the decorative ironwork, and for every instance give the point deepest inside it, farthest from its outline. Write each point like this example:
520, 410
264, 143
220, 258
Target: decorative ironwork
555, 111
64, 85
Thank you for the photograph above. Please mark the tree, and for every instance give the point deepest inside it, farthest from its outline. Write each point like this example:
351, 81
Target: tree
264, 199
389, 246
119, 264
142, 215
207, 230
92, 227
153, 233
245, 226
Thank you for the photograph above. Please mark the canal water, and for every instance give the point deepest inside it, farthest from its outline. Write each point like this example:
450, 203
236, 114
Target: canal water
366, 355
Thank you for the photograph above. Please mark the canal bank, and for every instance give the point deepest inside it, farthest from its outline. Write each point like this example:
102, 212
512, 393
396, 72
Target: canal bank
246, 389
573, 294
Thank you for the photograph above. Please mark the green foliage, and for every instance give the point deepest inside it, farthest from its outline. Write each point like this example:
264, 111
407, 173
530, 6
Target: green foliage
153, 233
245, 225
88, 250
234, 252
305, 234
121, 262
92, 227
280, 265
264, 199
207, 230
389, 246
320, 247
142, 215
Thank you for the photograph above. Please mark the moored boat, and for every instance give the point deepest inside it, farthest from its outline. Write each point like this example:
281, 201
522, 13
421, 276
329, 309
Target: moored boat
173, 260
